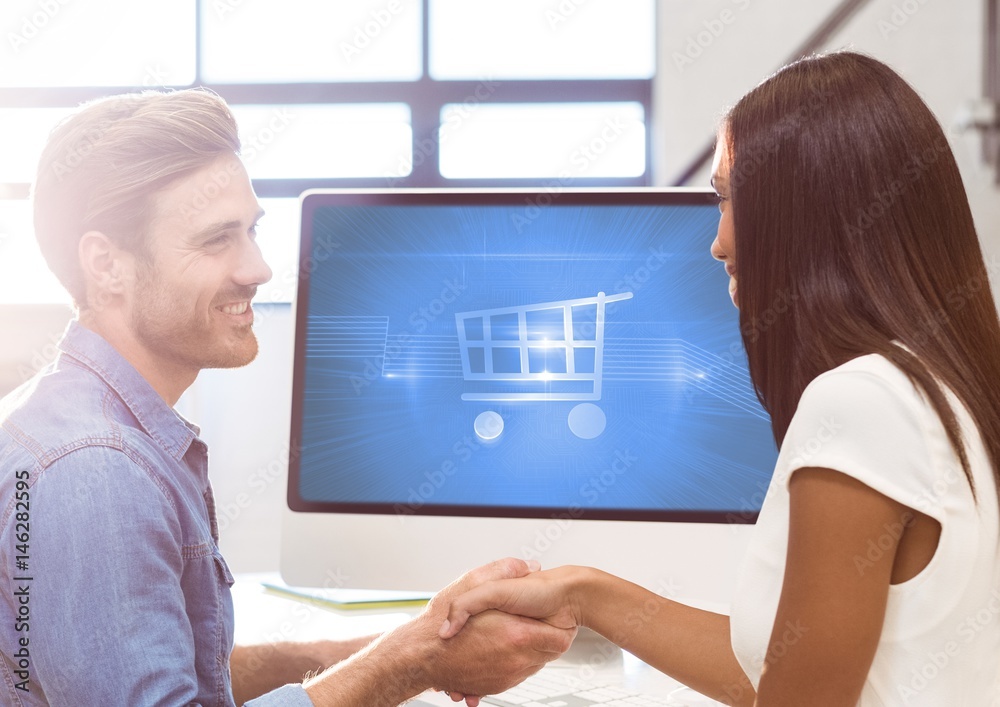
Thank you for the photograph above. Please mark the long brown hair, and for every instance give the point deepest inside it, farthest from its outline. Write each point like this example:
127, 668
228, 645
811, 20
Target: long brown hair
847, 203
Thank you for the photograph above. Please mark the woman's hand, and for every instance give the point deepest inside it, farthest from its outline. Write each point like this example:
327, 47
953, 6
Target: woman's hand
548, 595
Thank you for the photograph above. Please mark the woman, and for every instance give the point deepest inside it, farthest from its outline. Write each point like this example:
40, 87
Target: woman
874, 574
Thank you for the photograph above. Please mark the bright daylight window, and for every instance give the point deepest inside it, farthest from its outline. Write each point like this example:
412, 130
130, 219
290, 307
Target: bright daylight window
371, 93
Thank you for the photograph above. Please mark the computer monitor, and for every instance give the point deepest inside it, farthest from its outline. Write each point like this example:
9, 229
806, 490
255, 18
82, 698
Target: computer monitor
548, 374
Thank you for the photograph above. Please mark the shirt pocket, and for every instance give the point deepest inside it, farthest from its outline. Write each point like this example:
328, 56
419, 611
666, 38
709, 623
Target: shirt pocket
226, 628
222, 568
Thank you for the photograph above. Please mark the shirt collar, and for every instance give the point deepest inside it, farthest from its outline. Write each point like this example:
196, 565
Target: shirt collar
159, 420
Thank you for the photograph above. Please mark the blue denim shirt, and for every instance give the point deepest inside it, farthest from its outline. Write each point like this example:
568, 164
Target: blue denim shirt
113, 590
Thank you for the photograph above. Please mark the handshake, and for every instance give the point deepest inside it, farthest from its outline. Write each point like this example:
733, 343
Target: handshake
480, 635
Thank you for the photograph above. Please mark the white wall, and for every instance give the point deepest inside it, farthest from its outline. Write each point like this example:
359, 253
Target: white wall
935, 44
245, 414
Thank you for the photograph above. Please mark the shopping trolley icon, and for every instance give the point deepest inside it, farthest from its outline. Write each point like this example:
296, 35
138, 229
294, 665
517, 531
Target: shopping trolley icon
550, 351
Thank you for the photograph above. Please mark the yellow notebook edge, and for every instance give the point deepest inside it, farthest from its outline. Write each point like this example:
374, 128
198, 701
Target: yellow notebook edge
328, 603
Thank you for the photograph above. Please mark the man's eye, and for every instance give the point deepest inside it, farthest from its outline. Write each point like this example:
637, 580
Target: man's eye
218, 240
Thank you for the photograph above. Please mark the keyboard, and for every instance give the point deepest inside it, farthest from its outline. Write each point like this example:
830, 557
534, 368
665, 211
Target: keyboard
549, 689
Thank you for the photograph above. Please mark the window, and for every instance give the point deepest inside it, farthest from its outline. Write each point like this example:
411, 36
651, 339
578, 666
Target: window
562, 141
97, 43
528, 39
297, 41
371, 93
311, 141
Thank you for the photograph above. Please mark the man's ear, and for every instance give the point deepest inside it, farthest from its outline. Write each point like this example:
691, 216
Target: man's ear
108, 270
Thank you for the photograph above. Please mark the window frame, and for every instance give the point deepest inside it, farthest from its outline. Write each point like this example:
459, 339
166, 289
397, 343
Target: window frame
425, 96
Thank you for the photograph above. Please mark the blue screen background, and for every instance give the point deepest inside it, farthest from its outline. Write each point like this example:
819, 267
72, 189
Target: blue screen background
383, 419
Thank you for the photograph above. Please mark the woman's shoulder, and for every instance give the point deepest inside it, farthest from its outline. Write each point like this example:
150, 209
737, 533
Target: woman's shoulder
869, 378
866, 419
869, 407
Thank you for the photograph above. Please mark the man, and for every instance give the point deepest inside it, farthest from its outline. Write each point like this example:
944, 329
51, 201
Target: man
114, 590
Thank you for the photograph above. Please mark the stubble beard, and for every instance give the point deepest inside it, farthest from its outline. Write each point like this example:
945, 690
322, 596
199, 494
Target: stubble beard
190, 341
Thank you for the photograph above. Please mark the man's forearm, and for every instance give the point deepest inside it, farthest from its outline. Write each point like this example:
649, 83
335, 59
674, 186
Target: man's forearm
258, 669
389, 671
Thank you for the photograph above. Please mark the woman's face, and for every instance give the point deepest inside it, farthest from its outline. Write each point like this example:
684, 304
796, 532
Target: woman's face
724, 246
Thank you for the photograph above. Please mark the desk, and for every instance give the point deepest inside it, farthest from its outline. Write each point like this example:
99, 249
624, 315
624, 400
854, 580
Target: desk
262, 617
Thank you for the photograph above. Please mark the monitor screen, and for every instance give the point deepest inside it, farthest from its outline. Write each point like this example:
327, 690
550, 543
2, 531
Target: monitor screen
521, 354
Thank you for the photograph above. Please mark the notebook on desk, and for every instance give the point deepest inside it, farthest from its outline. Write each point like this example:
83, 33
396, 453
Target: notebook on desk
349, 599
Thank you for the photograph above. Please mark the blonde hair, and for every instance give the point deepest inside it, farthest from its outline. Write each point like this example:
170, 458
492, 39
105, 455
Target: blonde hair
103, 164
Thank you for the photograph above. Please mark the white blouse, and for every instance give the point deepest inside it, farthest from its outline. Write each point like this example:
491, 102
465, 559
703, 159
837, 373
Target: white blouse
940, 643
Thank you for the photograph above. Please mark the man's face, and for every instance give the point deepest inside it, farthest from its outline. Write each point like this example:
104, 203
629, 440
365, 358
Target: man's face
191, 305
